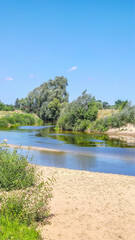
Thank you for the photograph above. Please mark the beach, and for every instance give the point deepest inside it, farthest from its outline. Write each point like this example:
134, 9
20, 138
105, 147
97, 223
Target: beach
89, 206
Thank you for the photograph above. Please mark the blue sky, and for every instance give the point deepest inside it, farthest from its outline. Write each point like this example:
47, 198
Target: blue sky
91, 42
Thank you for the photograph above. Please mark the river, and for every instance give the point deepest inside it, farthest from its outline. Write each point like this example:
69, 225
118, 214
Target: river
80, 151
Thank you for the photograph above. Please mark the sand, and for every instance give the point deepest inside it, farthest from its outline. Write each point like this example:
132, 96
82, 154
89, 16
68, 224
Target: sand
90, 206
31, 148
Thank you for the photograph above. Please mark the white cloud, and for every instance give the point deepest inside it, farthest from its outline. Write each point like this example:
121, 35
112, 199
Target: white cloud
31, 75
72, 68
9, 79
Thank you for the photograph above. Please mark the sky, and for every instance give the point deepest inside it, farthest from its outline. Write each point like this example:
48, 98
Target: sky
90, 42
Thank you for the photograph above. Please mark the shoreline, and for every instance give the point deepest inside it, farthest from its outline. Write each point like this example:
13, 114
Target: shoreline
32, 148
125, 133
90, 205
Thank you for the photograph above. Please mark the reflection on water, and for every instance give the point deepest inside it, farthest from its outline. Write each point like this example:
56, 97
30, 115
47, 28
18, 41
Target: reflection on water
82, 139
91, 152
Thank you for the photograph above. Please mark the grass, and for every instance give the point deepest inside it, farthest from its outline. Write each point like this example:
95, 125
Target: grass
24, 197
16, 231
116, 120
3, 113
106, 113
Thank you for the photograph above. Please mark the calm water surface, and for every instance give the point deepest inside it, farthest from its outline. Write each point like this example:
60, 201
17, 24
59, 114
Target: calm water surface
90, 152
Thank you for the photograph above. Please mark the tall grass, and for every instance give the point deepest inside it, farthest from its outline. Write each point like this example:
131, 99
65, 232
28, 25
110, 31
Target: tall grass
24, 197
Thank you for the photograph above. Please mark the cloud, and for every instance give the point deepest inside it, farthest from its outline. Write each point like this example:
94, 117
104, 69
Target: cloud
9, 79
31, 75
72, 68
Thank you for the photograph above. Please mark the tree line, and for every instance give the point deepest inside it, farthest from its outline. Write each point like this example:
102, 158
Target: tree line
50, 101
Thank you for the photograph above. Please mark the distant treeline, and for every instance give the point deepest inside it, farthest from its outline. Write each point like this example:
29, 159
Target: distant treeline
50, 102
6, 107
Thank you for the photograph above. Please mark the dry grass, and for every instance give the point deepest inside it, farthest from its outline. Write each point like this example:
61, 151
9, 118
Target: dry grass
4, 113
106, 112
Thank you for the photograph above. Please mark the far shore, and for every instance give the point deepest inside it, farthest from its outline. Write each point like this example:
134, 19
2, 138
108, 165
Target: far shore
124, 133
88, 205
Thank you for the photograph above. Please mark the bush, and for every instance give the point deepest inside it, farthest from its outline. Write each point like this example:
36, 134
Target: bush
17, 119
3, 122
15, 172
28, 201
77, 114
29, 205
115, 121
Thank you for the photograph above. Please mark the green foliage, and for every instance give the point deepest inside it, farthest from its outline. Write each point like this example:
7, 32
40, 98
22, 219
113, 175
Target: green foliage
6, 107
15, 173
20, 209
127, 115
3, 122
50, 111
77, 114
121, 104
13, 229
46, 100
106, 105
29, 205
17, 119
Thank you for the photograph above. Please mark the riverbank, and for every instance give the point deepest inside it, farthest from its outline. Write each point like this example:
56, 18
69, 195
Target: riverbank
31, 148
89, 205
124, 133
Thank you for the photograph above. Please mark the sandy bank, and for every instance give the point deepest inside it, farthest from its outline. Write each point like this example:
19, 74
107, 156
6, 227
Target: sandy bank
124, 133
32, 148
90, 206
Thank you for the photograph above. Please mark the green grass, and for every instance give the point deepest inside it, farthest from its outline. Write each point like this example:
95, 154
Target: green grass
15, 230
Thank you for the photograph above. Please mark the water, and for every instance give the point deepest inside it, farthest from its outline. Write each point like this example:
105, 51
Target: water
90, 152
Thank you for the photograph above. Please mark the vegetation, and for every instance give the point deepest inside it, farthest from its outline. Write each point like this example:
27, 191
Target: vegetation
15, 173
77, 114
17, 119
6, 107
127, 115
24, 197
49, 102
46, 100
15, 230
88, 113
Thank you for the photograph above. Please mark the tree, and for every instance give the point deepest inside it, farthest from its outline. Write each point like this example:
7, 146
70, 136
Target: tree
77, 114
121, 104
106, 105
47, 99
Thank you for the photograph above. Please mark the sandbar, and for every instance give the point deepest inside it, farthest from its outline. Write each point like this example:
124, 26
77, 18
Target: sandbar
90, 206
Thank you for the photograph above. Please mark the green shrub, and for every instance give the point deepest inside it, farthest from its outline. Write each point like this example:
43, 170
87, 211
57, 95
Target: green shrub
115, 121
3, 122
29, 205
15, 172
81, 125
17, 119
77, 114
